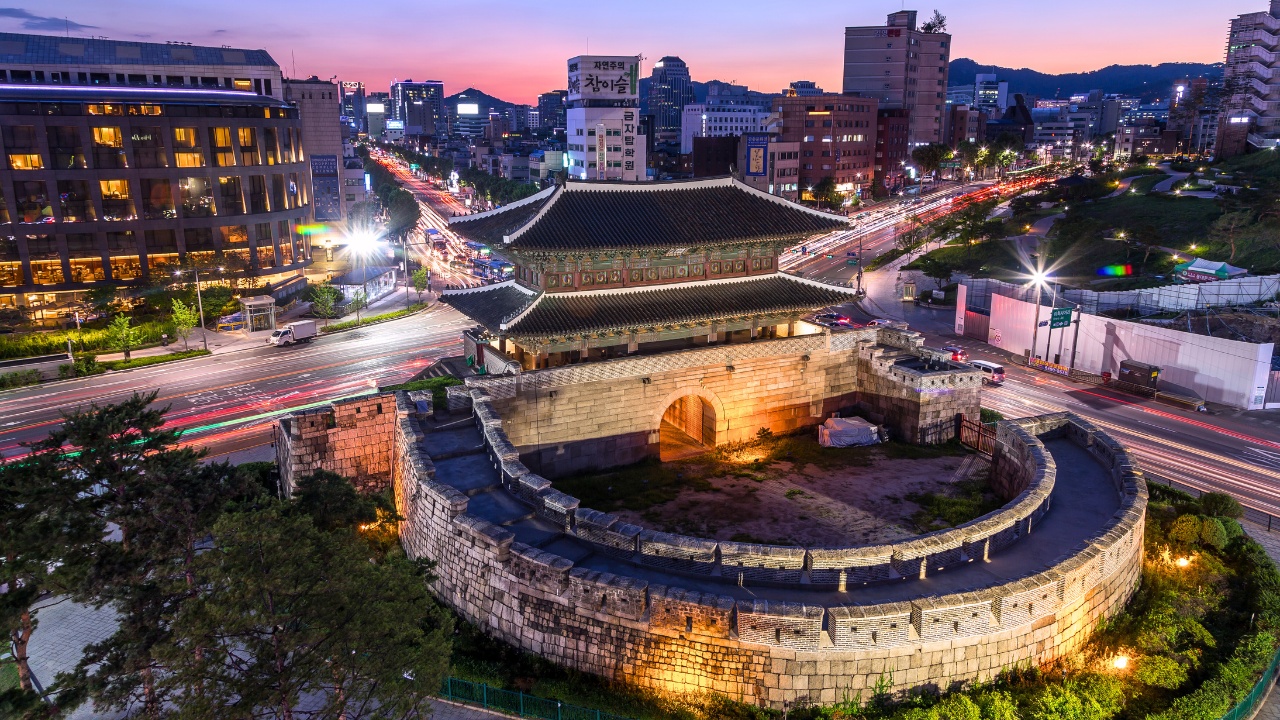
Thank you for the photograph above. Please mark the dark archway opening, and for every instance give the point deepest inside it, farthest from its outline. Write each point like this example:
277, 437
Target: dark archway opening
688, 428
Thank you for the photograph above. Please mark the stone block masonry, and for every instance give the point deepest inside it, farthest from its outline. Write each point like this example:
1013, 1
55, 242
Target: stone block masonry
353, 438
603, 414
642, 622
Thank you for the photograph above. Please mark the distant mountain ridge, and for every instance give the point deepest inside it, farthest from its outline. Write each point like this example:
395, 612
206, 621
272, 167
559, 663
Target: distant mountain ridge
479, 97
1146, 81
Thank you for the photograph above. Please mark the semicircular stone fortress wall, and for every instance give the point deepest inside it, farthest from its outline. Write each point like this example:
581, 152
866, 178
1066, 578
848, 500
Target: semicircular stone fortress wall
672, 639
677, 614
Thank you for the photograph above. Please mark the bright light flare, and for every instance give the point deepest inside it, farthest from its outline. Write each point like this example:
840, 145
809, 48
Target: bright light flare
1120, 662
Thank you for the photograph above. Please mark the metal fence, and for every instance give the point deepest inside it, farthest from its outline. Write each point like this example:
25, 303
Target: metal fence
1252, 514
1249, 705
517, 703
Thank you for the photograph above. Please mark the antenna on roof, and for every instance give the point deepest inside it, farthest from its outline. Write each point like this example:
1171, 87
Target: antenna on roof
68, 22
294, 57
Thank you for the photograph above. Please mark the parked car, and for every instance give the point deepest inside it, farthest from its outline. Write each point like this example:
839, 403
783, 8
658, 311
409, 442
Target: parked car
992, 374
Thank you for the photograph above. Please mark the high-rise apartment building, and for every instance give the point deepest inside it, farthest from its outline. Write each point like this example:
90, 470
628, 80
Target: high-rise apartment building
420, 106
1250, 112
551, 109
670, 90
902, 66
837, 137
123, 161
604, 139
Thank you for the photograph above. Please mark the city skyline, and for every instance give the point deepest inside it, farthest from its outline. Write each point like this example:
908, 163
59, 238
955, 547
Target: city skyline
531, 42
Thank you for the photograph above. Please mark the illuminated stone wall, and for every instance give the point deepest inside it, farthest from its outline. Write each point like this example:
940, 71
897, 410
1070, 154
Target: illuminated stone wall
674, 639
677, 640
609, 413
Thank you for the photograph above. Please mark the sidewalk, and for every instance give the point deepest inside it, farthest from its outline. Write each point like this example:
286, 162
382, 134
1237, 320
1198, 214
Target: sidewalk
224, 342
1270, 541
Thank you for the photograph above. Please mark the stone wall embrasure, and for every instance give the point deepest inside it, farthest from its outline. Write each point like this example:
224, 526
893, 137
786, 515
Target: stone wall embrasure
676, 640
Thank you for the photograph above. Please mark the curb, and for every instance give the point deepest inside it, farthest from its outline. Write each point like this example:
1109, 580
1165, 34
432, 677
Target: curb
58, 381
419, 311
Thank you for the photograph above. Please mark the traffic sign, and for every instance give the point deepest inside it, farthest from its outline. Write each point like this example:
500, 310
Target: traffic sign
1061, 318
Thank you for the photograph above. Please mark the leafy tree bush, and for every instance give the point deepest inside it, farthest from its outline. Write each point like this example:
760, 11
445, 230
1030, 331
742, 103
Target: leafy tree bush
1160, 671
1185, 530
1232, 528
1221, 505
1212, 533
19, 378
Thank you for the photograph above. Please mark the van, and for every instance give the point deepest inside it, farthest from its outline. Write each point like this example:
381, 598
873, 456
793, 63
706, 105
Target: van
992, 374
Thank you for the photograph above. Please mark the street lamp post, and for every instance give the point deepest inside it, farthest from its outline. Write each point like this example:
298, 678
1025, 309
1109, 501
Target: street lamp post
199, 305
1039, 278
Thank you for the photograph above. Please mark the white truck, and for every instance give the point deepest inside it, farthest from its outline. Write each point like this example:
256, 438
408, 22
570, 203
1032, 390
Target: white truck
300, 331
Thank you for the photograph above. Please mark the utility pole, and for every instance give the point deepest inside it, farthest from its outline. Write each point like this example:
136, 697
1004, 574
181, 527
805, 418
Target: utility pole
1035, 331
1075, 341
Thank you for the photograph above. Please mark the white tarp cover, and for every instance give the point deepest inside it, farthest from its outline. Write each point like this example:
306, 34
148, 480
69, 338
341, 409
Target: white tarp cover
847, 432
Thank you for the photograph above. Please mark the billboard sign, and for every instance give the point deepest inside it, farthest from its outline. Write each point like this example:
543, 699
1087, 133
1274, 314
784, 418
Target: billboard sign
757, 164
598, 77
326, 193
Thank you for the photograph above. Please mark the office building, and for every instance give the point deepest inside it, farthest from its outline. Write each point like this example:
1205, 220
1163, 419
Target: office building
804, 88
122, 183
353, 101
551, 109
318, 107
990, 95
376, 107
721, 93
605, 139
420, 106
837, 136
1250, 116
966, 123
893, 149
468, 116
767, 163
902, 67
48, 60
670, 90
703, 120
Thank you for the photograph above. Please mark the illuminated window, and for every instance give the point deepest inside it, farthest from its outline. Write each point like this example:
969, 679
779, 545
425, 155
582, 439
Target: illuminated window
47, 272
108, 137
117, 200
197, 197
242, 84
145, 110
26, 161
220, 144
189, 159
184, 137
106, 109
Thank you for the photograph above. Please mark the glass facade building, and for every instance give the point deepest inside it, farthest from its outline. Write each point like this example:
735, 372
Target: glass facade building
122, 185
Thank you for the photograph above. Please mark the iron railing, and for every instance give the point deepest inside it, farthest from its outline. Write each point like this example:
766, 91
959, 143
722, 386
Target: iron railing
517, 703
1252, 514
1249, 705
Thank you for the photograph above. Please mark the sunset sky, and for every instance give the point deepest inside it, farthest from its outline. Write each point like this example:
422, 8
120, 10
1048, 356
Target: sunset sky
514, 49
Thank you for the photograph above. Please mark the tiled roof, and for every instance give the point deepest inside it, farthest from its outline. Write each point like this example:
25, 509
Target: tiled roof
360, 276
598, 216
490, 227
24, 49
490, 306
561, 314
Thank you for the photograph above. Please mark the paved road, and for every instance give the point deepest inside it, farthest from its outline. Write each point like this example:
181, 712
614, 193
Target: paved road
227, 402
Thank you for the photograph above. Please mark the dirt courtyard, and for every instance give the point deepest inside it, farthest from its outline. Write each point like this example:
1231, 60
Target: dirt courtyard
790, 491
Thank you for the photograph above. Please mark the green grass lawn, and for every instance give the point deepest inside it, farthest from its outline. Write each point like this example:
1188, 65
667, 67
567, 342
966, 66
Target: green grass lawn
1144, 184
8, 676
